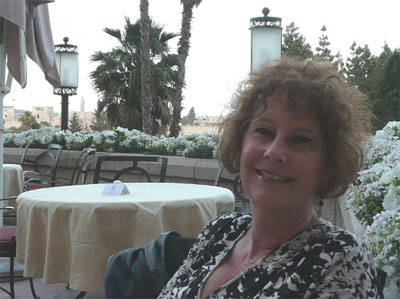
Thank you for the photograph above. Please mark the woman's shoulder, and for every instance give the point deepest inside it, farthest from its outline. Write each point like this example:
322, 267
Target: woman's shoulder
333, 243
227, 226
344, 263
229, 222
231, 218
335, 238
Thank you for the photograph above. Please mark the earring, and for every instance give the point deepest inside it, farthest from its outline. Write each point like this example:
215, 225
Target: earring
318, 208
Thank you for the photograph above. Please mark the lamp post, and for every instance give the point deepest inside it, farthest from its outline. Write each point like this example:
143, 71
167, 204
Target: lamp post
266, 39
67, 65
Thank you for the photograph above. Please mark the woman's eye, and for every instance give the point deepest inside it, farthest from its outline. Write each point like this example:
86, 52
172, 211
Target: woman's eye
302, 140
264, 131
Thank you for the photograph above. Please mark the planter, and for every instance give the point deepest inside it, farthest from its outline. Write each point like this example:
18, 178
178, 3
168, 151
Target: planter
179, 170
351, 223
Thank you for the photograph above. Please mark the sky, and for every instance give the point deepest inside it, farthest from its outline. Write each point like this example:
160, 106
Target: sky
219, 57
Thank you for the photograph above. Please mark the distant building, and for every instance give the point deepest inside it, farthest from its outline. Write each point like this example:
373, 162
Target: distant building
46, 114
42, 114
85, 118
10, 117
202, 124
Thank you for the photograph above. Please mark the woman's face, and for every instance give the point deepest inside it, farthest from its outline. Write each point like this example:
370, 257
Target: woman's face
282, 158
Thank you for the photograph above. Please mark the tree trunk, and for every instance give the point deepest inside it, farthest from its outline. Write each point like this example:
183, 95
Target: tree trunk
183, 50
145, 67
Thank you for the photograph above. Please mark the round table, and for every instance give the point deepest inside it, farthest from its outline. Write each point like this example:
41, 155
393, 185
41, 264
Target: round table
13, 180
66, 234
13, 184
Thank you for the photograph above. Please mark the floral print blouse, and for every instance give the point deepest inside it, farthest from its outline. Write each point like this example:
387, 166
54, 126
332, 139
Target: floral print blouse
322, 261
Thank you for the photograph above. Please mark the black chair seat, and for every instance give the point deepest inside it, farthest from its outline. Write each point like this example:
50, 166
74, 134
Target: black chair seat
8, 246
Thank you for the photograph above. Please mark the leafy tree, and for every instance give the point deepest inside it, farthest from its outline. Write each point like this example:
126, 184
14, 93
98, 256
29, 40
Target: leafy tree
145, 65
74, 123
99, 122
28, 121
359, 68
339, 63
117, 78
377, 75
378, 79
322, 51
294, 44
44, 124
14, 130
189, 119
386, 94
183, 51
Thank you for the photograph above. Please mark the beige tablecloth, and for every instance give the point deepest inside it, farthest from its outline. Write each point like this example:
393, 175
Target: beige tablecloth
13, 180
66, 234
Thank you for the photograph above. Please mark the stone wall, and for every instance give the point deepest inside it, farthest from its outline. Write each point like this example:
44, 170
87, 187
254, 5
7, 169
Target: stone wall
179, 170
46, 114
9, 117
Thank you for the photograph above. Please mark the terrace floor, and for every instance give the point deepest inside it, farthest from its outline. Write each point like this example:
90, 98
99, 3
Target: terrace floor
44, 291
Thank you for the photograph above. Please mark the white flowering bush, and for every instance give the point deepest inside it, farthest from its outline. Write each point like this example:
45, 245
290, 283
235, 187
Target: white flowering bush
43, 135
375, 201
374, 185
201, 145
120, 140
383, 238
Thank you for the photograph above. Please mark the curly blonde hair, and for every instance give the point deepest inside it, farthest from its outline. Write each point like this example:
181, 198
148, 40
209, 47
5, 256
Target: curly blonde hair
309, 86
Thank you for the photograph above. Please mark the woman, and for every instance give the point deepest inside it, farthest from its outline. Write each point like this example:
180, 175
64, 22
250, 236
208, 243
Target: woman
294, 134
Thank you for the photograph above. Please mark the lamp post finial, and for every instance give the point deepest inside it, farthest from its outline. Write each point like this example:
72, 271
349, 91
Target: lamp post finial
265, 11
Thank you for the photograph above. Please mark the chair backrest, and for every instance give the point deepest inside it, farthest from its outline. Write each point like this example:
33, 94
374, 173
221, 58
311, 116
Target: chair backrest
134, 169
46, 162
235, 183
82, 166
24, 158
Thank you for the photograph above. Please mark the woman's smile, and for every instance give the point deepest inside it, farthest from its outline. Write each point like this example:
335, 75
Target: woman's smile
273, 177
282, 158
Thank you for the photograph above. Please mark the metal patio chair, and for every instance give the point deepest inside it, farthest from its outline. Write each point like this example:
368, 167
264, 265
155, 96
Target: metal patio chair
133, 169
44, 165
242, 202
81, 169
8, 246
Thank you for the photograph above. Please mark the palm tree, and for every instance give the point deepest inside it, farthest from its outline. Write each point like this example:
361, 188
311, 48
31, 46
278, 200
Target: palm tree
183, 51
28, 121
145, 66
117, 78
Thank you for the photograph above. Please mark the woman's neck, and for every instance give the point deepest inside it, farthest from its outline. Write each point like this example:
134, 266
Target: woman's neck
269, 231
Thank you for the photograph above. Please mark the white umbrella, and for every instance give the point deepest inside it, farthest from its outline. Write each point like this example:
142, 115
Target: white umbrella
24, 29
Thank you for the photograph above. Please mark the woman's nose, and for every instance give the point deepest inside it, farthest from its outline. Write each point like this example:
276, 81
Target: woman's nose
276, 151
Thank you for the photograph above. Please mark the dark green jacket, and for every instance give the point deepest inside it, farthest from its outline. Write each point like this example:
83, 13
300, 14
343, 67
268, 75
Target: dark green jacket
142, 272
